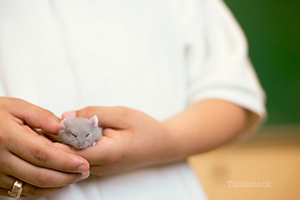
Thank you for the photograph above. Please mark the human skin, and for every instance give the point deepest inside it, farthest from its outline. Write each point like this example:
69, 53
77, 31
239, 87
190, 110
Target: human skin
133, 139
29, 157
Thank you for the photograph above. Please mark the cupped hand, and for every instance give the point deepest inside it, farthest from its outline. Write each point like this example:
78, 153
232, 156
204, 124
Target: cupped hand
131, 139
31, 158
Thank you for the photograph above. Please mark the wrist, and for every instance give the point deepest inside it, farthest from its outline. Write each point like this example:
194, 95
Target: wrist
172, 143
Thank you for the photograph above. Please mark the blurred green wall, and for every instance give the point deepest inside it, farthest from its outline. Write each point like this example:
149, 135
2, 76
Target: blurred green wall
272, 28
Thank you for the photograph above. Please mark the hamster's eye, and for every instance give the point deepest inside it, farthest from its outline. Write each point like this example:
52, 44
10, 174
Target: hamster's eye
74, 135
87, 135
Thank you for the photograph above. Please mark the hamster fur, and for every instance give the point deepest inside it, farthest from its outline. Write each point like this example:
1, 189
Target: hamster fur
80, 133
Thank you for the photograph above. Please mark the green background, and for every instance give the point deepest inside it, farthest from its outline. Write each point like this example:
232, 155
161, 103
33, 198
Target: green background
272, 28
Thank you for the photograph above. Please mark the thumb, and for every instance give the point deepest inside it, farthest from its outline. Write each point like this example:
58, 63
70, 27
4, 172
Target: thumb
108, 117
69, 115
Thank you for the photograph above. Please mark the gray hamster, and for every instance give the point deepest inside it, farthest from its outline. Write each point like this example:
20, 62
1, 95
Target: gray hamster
80, 133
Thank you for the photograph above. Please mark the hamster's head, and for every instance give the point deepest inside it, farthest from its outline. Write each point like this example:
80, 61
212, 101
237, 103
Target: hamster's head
80, 132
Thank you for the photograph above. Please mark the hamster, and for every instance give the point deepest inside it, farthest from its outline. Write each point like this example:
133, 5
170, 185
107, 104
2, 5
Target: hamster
80, 133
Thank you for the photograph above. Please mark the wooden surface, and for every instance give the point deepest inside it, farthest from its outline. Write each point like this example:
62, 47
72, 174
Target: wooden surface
267, 167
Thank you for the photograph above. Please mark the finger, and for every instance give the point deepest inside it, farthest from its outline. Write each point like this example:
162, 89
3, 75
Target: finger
87, 153
28, 190
112, 117
36, 133
29, 130
65, 147
34, 149
69, 115
40, 177
33, 115
107, 132
107, 150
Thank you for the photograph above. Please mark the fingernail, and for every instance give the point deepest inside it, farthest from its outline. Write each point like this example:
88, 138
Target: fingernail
69, 115
85, 175
82, 169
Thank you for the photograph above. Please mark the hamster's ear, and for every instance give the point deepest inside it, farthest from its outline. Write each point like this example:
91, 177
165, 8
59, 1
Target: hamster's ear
94, 121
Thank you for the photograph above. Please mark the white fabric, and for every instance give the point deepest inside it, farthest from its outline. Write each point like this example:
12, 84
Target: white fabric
157, 56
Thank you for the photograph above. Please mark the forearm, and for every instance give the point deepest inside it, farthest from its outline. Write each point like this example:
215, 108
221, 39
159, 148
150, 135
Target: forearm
205, 126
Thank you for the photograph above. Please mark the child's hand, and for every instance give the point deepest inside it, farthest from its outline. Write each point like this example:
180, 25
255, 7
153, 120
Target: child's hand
131, 140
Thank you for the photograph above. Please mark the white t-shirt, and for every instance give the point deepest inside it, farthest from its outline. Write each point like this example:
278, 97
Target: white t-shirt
157, 56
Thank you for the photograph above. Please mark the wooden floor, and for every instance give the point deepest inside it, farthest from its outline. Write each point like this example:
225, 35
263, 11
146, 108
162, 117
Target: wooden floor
267, 167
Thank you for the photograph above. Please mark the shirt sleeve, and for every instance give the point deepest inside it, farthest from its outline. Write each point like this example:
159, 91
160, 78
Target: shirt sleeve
217, 59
